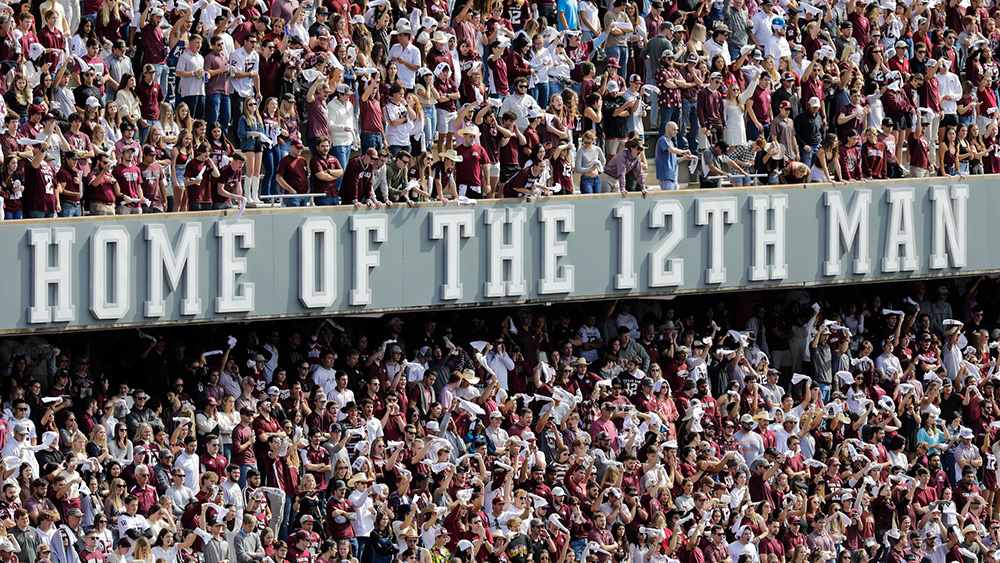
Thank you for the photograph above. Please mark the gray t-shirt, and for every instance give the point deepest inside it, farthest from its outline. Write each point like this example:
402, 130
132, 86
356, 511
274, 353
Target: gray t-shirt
822, 364
191, 85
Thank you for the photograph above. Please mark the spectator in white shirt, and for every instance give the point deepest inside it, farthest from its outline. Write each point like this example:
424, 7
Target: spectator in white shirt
406, 56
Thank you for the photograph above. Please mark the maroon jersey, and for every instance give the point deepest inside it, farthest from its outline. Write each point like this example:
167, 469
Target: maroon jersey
129, 182
228, 180
41, 189
152, 177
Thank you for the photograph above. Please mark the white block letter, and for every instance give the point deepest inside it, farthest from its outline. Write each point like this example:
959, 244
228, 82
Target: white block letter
626, 277
118, 305
364, 258
901, 234
716, 213
496, 285
760, 268
44, 274
664, 271
313, 293
847, 228
234, 297
556, 278
451, 226
950, 212
165, 259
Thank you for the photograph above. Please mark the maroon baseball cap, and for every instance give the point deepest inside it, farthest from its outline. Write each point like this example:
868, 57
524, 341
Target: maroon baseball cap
785, 104
297, 144
613, 63
371, 152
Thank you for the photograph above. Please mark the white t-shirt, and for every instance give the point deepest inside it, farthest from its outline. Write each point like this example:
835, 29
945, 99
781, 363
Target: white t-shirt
411, 55
396, 135
241, 61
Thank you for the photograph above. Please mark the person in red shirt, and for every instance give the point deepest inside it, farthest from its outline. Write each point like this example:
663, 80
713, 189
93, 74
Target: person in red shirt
292, 175
128, 186
226, 186
101, 186
150, 94
154, 181
873, 156
70, 179
918, 149
325, 170
338, 511
471, 173
41, 189
850, 157
198, 176
356, 189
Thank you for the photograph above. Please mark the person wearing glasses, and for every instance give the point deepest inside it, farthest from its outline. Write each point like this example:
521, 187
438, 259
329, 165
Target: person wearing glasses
140, 413
244, 65
150, 95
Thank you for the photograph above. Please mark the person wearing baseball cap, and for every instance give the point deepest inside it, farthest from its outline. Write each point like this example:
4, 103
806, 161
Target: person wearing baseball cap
783, 128
292, 174
809, 130
71, 175
153, 178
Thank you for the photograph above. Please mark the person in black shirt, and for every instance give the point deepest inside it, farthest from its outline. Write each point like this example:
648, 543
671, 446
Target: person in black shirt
615, 122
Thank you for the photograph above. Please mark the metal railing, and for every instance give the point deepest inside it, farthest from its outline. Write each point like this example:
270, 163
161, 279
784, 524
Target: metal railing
725, 180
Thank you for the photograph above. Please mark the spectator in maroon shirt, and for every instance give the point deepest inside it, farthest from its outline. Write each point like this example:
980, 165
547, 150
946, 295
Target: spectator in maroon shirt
150, 94
356, 188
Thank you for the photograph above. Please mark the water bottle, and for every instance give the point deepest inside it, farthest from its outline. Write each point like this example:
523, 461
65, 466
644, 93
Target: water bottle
207, 77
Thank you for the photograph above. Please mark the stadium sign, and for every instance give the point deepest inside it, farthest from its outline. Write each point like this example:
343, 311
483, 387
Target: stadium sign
211, 267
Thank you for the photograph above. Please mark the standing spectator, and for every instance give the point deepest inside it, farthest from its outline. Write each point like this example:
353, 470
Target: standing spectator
150, 95
191, 71
666, 158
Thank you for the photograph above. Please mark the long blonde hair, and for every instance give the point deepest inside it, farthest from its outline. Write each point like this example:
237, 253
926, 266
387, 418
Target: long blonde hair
253, 117
117, 499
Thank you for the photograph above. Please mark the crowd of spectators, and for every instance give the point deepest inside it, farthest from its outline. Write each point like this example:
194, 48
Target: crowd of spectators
849, 424
118, 107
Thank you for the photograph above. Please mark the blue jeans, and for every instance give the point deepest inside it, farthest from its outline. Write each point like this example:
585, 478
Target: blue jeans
268, 185
161, 76
394, 149
32, 214
327, 201
227, 450
667, 115
824, 389
688, 137
753, 132
196, 104
218, 110
342, 154
577, 547
590, 184
430, 125
11, 215
542, 93
808, 157
370, 140
287, 517
71, 210
620, 53
244, 469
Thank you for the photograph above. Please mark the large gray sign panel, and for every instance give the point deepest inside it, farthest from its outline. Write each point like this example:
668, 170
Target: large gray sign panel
198, 267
